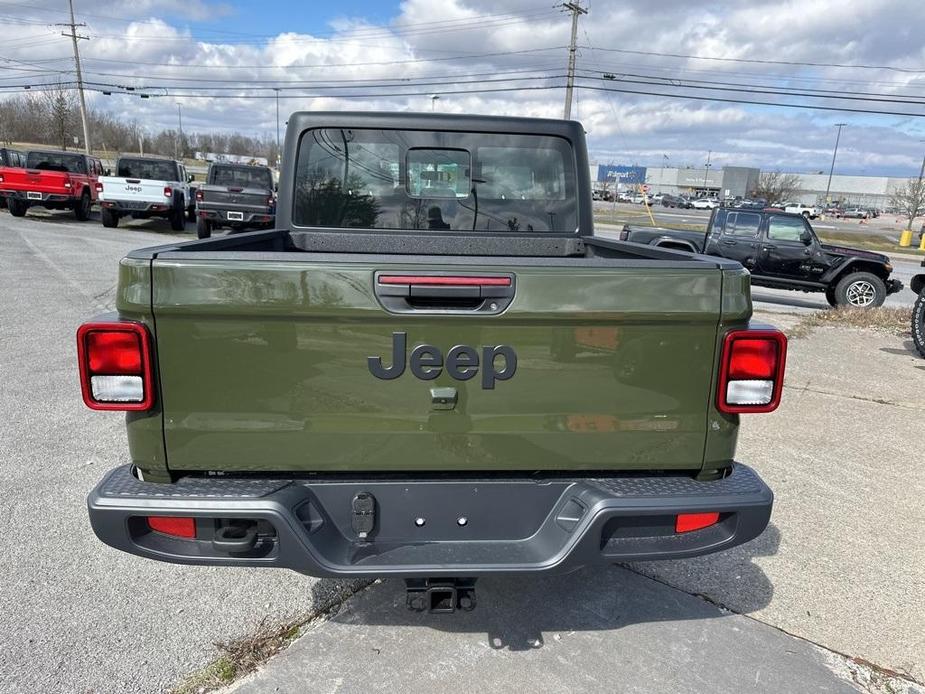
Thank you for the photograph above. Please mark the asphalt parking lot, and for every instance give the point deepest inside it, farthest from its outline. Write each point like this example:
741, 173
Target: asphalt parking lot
839, 574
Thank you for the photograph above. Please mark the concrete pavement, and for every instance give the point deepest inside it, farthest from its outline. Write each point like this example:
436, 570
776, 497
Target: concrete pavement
591, 631
76, 615
840, 564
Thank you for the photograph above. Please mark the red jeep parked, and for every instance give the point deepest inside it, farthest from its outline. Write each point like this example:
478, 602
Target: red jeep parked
53, 180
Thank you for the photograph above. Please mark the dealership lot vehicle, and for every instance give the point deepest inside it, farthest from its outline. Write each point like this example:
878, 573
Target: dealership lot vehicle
675, 201
782, 252
53, 180
705, 203
809, 211
459, 335
235, 196
13, 158
146, 187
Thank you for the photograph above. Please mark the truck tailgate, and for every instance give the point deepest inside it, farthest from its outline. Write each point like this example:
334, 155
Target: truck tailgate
141, 190
264, 366
35, 180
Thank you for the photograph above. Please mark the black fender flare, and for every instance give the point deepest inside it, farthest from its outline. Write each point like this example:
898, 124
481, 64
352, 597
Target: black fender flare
917, 284
663, 241
851, 265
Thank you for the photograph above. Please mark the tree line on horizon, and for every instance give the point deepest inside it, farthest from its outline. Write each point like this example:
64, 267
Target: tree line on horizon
52, 118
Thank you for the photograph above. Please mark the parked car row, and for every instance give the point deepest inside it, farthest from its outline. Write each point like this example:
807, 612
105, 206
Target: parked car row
238, 197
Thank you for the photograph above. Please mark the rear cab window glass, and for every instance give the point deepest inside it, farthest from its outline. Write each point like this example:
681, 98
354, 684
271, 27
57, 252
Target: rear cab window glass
154, 170
241, 177
56, 161
782, 228
742, 224
422, 180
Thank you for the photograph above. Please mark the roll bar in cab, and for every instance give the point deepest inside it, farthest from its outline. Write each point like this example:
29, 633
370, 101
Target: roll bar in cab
782, 251
432, 369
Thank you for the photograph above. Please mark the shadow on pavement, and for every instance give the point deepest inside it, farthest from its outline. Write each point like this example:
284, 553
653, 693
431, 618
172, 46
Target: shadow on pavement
731, 579
518, 613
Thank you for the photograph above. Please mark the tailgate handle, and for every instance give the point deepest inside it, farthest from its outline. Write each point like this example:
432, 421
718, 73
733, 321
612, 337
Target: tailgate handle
409, 293
133, 180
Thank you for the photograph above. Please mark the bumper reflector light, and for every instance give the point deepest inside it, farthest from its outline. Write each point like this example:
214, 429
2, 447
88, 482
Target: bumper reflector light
173, 525
686, 522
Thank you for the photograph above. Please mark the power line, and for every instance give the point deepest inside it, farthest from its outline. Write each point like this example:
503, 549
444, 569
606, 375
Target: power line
762, 61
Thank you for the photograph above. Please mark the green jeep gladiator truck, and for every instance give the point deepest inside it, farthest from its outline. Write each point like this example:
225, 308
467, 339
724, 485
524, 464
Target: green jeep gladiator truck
431, 369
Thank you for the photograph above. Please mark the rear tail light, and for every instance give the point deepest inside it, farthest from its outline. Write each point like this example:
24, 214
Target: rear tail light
686, 522
115, 366
751, 371
67, 184
1, 178
199, 195
624, 233
177, 526
99, 187
168, 191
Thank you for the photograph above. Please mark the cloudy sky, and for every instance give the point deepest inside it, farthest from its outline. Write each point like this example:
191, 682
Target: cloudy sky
659, 82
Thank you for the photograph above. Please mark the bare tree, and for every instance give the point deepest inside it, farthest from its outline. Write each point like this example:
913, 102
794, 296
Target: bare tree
776, 187
61, 113
909, 199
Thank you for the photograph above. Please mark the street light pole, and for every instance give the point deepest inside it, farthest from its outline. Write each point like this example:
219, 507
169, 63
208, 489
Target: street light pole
828, 186
276, 89
180, 128
706, 171
433, 102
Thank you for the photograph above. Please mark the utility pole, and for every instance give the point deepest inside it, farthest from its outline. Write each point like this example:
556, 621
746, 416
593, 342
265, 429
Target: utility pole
576, 9
80, 83
828, 185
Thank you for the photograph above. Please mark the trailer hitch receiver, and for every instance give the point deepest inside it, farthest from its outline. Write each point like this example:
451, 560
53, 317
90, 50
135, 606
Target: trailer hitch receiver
440, 594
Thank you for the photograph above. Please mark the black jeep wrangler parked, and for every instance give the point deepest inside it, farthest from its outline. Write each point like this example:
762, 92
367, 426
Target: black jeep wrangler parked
783, 252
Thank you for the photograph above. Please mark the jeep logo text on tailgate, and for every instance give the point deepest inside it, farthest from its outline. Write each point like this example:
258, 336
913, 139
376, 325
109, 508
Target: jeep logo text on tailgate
461, 362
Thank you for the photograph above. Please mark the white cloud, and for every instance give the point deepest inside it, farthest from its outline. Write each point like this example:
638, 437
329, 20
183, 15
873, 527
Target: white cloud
152, 41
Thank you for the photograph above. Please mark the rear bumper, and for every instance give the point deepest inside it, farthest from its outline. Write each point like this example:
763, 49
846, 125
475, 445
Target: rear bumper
138, 206
471, 527
250, 218
56, 198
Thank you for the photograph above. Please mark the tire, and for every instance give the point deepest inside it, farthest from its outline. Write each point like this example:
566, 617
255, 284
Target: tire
918, 324
203, 228
110, 218
17, 208
82, 210
178, 216
860, 290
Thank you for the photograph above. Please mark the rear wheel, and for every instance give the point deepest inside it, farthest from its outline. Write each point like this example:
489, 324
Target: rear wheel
17, 207
178, 216
860, 290
203, 228
82, 210
918, 323
110, 218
